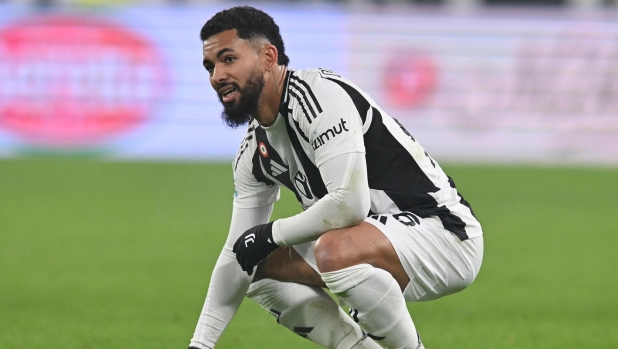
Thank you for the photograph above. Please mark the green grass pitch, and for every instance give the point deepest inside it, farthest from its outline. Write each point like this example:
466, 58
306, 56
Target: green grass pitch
119, 255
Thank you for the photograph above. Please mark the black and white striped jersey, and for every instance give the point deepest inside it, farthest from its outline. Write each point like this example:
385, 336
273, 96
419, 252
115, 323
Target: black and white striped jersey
323, 115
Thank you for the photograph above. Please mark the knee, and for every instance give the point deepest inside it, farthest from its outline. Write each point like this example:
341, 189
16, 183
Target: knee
332, 253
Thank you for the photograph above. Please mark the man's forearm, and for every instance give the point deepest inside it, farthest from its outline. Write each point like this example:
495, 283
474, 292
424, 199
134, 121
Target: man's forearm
228, 286
228, 283
346, 204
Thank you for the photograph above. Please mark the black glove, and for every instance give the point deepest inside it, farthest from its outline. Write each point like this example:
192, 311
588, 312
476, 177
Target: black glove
254, 245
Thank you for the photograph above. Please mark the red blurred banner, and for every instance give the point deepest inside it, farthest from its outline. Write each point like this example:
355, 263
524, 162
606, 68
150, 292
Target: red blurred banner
68, 80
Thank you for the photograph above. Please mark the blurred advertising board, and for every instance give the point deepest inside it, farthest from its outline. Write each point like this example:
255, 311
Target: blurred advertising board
127, 82
495, 86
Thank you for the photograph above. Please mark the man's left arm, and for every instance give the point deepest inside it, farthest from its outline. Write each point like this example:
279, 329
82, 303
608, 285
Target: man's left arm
346, 204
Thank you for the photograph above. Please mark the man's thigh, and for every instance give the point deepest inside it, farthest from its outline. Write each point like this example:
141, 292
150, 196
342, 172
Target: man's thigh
435, 260
359, 244
287, 265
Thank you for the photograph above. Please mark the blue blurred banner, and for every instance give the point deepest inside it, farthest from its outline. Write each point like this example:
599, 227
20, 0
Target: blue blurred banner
127, 82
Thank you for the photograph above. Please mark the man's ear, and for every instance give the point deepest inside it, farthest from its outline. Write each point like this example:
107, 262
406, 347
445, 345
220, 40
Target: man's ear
271, 57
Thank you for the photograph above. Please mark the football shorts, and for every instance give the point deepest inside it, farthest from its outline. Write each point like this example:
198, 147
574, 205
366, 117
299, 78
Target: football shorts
435, 260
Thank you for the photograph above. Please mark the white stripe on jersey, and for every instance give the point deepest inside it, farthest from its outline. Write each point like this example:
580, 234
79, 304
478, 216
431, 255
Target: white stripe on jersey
277, 168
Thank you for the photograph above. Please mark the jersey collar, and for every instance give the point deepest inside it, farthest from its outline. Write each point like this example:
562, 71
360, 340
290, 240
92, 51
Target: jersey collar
285, 94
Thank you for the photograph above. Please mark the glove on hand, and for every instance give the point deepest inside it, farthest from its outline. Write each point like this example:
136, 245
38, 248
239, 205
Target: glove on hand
254, 245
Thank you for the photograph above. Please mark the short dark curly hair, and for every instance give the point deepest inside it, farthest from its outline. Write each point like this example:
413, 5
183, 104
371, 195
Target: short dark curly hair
250, 23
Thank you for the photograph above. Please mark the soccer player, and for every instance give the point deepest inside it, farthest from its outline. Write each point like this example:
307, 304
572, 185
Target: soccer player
382, 223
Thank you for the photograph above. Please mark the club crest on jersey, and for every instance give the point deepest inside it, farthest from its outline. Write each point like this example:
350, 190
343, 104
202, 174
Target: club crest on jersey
263, 150
324, 137
302, 185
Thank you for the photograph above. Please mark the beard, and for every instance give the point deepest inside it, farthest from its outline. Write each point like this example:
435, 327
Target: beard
238, 113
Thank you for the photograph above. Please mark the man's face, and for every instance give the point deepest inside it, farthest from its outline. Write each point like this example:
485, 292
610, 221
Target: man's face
235, 75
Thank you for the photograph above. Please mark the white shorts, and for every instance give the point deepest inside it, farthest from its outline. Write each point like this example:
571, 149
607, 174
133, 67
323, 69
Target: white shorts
436, 261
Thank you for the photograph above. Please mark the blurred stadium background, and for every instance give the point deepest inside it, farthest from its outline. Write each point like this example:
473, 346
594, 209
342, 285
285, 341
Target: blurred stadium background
115, 184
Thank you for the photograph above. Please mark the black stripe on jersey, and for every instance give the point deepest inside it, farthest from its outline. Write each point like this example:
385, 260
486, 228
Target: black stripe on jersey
297, 88
303, 331
284, 92
376, 338
257, 169
243, 147
431, 160
453, 223
300, 132
462, 200
273, 164
315, 100
300, 101
406, 131
354, 314
389, 152
392, 169
311, 171
362, 105
275, 313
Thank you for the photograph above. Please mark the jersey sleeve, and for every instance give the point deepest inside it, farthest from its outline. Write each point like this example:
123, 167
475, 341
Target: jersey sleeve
228, 283
254, 197
336, 128
346, 203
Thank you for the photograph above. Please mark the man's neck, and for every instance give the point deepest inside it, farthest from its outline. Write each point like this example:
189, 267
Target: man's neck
268, 105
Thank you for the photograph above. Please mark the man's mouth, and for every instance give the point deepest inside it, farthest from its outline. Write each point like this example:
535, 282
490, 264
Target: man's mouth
227, 94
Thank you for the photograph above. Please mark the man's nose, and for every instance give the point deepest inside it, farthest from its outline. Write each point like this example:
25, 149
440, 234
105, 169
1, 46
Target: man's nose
219, 74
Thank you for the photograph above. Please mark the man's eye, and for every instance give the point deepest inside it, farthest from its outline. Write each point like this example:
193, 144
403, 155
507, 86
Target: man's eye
229, 59
209, 68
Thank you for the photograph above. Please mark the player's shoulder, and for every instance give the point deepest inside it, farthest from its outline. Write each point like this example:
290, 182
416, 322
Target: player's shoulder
326, 84
315, 90
329, 93
314, 78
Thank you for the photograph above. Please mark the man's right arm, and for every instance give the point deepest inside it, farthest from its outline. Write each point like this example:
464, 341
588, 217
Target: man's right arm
228, 283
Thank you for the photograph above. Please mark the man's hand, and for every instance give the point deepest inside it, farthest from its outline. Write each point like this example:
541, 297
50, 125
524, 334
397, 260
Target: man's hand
254, 246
